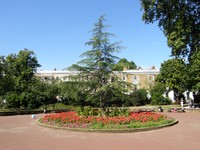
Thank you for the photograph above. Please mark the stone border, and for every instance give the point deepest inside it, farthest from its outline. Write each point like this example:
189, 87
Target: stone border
106, 130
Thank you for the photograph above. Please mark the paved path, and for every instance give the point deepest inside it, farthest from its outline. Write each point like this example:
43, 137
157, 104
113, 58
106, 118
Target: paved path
21, 133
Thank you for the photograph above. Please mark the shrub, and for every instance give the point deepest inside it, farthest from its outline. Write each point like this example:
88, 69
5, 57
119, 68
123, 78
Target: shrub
13, 100
138, 97
157, 95
165, 101
58, 106
86, 111
124, 111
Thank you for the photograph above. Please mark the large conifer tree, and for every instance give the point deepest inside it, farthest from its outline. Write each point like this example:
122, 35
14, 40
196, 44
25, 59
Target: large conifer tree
96, 66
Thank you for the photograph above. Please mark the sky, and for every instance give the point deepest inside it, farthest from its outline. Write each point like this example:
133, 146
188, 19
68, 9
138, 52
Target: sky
57, 30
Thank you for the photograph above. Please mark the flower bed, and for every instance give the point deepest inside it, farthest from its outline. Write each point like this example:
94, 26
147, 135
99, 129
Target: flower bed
71, 120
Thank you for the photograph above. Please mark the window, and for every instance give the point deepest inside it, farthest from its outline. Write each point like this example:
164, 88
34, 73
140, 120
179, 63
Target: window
150, 78
135, 78
124, 78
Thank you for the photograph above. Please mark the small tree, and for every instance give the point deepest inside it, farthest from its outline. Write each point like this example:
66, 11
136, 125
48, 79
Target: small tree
173, 75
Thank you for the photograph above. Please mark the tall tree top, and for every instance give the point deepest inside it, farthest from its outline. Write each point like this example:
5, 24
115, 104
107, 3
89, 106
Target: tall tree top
179, 20
100, 56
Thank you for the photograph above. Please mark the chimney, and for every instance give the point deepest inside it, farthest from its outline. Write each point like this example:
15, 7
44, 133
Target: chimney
153, 67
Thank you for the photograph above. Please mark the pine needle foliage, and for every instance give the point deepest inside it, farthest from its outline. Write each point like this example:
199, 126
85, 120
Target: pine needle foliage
96, 66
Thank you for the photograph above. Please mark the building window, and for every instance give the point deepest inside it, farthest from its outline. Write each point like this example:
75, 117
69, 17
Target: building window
150, 78
124, 78
135, 78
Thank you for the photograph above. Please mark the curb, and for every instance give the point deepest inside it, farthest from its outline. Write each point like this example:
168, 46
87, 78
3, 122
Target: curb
106, 130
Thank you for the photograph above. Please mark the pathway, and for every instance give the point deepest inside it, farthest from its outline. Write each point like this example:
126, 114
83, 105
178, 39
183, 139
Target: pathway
22, 133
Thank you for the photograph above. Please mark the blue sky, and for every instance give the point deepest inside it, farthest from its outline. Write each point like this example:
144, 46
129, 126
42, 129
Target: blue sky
57, 30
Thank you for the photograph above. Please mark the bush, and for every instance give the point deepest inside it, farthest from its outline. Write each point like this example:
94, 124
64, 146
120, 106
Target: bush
86, 111
157, 95
165, 101
158, 99
155, 98
58, 106
124, 111
13, 100
139, 97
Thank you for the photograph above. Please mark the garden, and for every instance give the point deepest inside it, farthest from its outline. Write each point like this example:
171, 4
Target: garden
118, 120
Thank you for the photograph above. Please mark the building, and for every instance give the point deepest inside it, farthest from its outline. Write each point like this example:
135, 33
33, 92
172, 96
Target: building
139, 78
63, 76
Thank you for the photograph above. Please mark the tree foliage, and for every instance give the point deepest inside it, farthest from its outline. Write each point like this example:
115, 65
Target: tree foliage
96, 65
193, 72
45, 93
21, 69
157, 97
71, 93
179, 21
138, 97
173, 75
3, 80
18, 78
124, 63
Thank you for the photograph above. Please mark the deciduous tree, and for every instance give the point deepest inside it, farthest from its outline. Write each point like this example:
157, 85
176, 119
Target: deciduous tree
173, 75
19, 73
179, 21
124, 63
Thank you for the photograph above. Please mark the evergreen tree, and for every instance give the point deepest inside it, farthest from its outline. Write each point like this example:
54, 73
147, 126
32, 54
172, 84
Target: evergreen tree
96, 67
